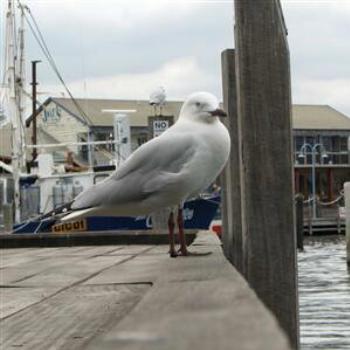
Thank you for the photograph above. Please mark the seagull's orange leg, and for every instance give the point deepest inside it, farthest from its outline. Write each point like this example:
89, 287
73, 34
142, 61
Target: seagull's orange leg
171, 227
182, 239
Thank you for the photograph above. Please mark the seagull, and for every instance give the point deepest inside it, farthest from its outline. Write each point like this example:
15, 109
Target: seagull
165, 171
157, 98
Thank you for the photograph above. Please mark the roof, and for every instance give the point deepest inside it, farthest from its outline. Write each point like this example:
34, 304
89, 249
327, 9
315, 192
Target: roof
319, 117
305, 117
93, 109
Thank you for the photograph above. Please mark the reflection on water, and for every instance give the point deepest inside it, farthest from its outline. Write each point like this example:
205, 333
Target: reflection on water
324, 292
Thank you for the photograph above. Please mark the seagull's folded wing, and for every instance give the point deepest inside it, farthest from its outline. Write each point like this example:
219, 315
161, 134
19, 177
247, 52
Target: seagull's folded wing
153, 167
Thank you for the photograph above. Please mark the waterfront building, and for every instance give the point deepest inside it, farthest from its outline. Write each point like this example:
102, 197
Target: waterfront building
60, 121
323, 125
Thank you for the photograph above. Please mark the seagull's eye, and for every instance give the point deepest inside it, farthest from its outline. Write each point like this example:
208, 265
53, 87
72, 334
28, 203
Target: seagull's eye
198, 104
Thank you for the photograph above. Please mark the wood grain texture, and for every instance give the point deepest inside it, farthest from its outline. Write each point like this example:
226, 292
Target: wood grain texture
264, 101
231, 177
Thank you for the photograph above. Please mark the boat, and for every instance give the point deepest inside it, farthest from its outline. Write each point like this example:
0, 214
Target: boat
197, 213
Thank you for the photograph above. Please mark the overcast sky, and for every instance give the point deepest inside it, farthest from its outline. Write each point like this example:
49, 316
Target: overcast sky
125, 49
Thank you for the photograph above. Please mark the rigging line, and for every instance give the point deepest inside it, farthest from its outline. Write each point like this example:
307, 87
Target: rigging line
37, 102
41, 41
48, 55
43, 45
54, 67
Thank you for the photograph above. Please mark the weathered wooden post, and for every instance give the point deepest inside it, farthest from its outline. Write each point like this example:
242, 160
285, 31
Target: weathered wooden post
299, 211
347, 218
231, 189
264, 110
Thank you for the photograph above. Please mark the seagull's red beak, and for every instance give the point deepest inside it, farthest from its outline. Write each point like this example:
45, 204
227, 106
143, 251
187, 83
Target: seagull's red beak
218, 113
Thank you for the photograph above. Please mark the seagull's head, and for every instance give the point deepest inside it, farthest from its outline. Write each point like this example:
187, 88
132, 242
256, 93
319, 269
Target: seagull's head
202, 106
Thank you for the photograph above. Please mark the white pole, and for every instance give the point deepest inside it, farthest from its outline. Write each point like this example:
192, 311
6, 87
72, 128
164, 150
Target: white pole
20, 81
90, 149
313, 184
347, 218
14, 112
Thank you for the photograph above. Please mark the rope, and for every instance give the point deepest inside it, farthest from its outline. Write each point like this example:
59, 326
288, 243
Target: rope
325, 204
309, 200
34, 218
41, 41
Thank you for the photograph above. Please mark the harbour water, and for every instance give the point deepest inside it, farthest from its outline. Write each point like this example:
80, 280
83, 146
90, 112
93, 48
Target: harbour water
324, 292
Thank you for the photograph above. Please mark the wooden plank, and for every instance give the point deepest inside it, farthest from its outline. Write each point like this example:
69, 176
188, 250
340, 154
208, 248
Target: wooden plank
299, 211
70, 319
231, 189
196, 303
347, 220
264, 102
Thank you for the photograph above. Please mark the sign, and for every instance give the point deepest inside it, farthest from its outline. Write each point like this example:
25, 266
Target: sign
52, 114
74, 226
159, 126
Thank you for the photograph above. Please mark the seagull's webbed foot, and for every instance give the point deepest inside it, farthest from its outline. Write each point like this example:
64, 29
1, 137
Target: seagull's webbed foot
173, 254
183, 251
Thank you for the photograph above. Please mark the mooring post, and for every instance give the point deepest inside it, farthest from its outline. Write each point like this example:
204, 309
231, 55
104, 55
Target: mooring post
231, 186
264, 109
299, 210
347, 218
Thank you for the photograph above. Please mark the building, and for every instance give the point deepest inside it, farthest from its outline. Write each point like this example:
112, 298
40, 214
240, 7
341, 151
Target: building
327, 131
59, 121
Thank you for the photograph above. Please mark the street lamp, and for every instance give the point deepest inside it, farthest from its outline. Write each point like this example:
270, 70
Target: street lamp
302, 154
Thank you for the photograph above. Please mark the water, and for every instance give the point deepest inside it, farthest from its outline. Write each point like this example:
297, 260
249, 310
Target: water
324, 291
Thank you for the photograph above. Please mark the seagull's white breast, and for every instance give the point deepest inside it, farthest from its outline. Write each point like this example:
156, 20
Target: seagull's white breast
212, 142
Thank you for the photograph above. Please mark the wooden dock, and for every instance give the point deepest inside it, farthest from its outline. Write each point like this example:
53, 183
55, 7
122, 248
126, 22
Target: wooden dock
130, 297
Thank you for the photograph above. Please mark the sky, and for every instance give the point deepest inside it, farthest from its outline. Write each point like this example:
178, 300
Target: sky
125, 49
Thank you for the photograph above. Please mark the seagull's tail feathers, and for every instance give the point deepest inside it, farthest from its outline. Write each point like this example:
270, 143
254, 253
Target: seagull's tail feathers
66, 213
57, 211
77, 214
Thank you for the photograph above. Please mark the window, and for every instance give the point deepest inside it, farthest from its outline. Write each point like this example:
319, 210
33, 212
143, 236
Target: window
298, 143
83, 150
344, 144
141, 139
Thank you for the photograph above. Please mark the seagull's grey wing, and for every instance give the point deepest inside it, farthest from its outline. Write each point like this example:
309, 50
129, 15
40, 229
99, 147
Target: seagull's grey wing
152, 167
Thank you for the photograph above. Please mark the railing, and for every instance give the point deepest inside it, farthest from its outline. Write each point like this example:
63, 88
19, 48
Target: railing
326, 212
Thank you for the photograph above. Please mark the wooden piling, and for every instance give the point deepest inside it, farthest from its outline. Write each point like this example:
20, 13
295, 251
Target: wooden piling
299, 211
264, 109
231, 181
347, 218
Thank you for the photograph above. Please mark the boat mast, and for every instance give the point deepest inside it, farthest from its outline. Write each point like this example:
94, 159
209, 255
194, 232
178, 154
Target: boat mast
20, 85
16, 99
